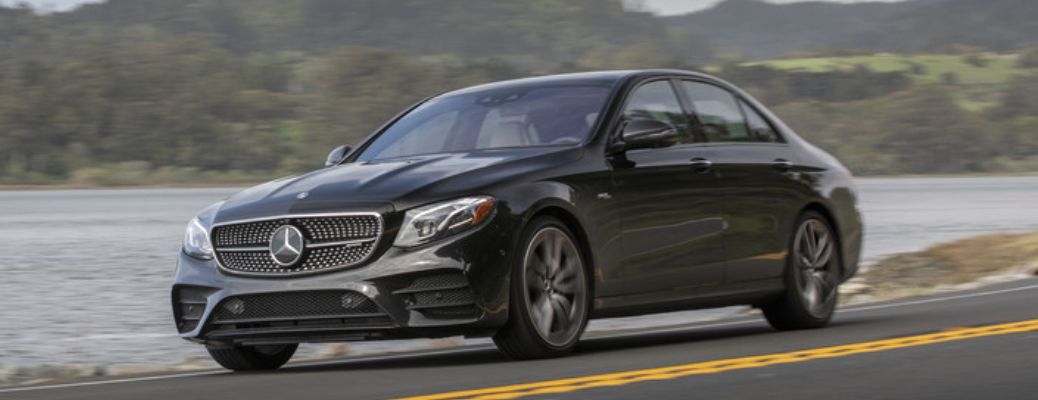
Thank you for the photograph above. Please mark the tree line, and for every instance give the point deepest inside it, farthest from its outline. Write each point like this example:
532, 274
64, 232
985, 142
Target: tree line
150, 91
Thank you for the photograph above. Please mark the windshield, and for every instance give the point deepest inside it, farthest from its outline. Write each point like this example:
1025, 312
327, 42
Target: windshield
493, 118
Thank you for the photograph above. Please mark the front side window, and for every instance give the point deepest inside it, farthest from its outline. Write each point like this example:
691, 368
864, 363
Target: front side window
521, 116
719, 115
657, 100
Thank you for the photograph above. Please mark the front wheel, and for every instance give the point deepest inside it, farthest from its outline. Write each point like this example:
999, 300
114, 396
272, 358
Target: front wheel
812, 277
549, 294
252, 358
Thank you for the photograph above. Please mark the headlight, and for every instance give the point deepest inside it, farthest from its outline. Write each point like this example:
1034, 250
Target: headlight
196, 239
425, 224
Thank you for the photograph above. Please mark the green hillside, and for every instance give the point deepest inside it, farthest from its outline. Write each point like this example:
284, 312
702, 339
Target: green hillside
997, 68
977, 79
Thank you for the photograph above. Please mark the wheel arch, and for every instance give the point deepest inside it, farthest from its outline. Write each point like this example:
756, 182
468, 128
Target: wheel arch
822, 209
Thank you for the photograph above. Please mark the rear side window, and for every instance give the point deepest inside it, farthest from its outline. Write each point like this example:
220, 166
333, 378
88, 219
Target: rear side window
657, 100
759, 126
718, 111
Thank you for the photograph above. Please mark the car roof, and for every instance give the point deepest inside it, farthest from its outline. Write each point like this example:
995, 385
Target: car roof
609, 78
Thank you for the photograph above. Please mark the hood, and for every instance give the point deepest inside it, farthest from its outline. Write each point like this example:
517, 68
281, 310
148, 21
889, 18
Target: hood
387, 185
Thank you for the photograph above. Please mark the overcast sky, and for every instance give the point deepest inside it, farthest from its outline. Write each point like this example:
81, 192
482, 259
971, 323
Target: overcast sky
666, 7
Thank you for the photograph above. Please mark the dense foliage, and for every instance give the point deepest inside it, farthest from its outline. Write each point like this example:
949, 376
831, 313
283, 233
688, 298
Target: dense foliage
158, 91
139, 90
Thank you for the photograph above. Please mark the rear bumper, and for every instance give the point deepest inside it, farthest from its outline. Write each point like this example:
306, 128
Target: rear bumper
454, 287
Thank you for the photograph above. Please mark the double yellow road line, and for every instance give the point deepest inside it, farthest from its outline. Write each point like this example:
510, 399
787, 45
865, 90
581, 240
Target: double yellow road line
710, 367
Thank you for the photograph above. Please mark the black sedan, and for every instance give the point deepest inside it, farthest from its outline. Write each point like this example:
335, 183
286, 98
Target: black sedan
521, 209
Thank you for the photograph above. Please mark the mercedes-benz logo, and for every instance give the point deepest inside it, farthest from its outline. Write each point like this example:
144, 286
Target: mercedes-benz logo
286, 245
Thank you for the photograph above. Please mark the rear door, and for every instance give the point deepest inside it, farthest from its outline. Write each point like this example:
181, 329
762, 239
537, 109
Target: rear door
670, 208
757, 172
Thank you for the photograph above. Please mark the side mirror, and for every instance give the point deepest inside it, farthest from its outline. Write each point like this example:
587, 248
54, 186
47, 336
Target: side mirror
645, 133
337, 156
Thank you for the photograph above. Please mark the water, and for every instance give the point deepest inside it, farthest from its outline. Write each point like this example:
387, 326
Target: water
910, 214
86, 273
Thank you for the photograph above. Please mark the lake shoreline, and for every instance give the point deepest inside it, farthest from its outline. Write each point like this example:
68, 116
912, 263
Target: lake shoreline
946, 267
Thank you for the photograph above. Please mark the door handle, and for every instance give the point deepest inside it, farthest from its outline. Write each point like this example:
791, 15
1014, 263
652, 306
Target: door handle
782, 164
700, 164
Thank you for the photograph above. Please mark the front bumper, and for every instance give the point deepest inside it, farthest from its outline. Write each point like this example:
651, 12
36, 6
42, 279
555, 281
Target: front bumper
458, 286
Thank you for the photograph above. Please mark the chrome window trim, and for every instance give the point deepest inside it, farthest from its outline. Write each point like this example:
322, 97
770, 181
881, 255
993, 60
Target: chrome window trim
374, 246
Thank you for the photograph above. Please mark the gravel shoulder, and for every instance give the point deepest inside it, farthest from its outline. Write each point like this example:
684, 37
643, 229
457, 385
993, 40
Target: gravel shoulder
953, 266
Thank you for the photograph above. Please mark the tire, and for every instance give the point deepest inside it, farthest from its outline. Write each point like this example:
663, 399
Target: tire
549, 294
811, 277
252, 358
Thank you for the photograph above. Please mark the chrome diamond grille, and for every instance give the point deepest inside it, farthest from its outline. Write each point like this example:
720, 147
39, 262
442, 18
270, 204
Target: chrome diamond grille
250, 234
340, 228
332, 242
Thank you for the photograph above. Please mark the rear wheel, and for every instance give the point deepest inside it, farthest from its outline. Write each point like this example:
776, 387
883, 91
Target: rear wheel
549, 294
252, 358
812, 277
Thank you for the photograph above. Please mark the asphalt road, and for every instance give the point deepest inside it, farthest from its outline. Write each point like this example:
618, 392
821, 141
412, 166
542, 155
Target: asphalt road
967, 345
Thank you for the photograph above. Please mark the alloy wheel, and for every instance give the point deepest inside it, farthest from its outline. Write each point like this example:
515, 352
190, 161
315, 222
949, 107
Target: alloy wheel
555, 286
813, 249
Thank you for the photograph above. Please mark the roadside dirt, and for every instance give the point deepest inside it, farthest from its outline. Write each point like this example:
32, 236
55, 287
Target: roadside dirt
958, 265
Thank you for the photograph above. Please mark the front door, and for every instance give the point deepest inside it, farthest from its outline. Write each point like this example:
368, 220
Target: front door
670, 209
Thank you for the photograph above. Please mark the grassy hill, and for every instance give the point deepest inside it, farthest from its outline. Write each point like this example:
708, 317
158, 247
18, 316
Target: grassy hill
976, 80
